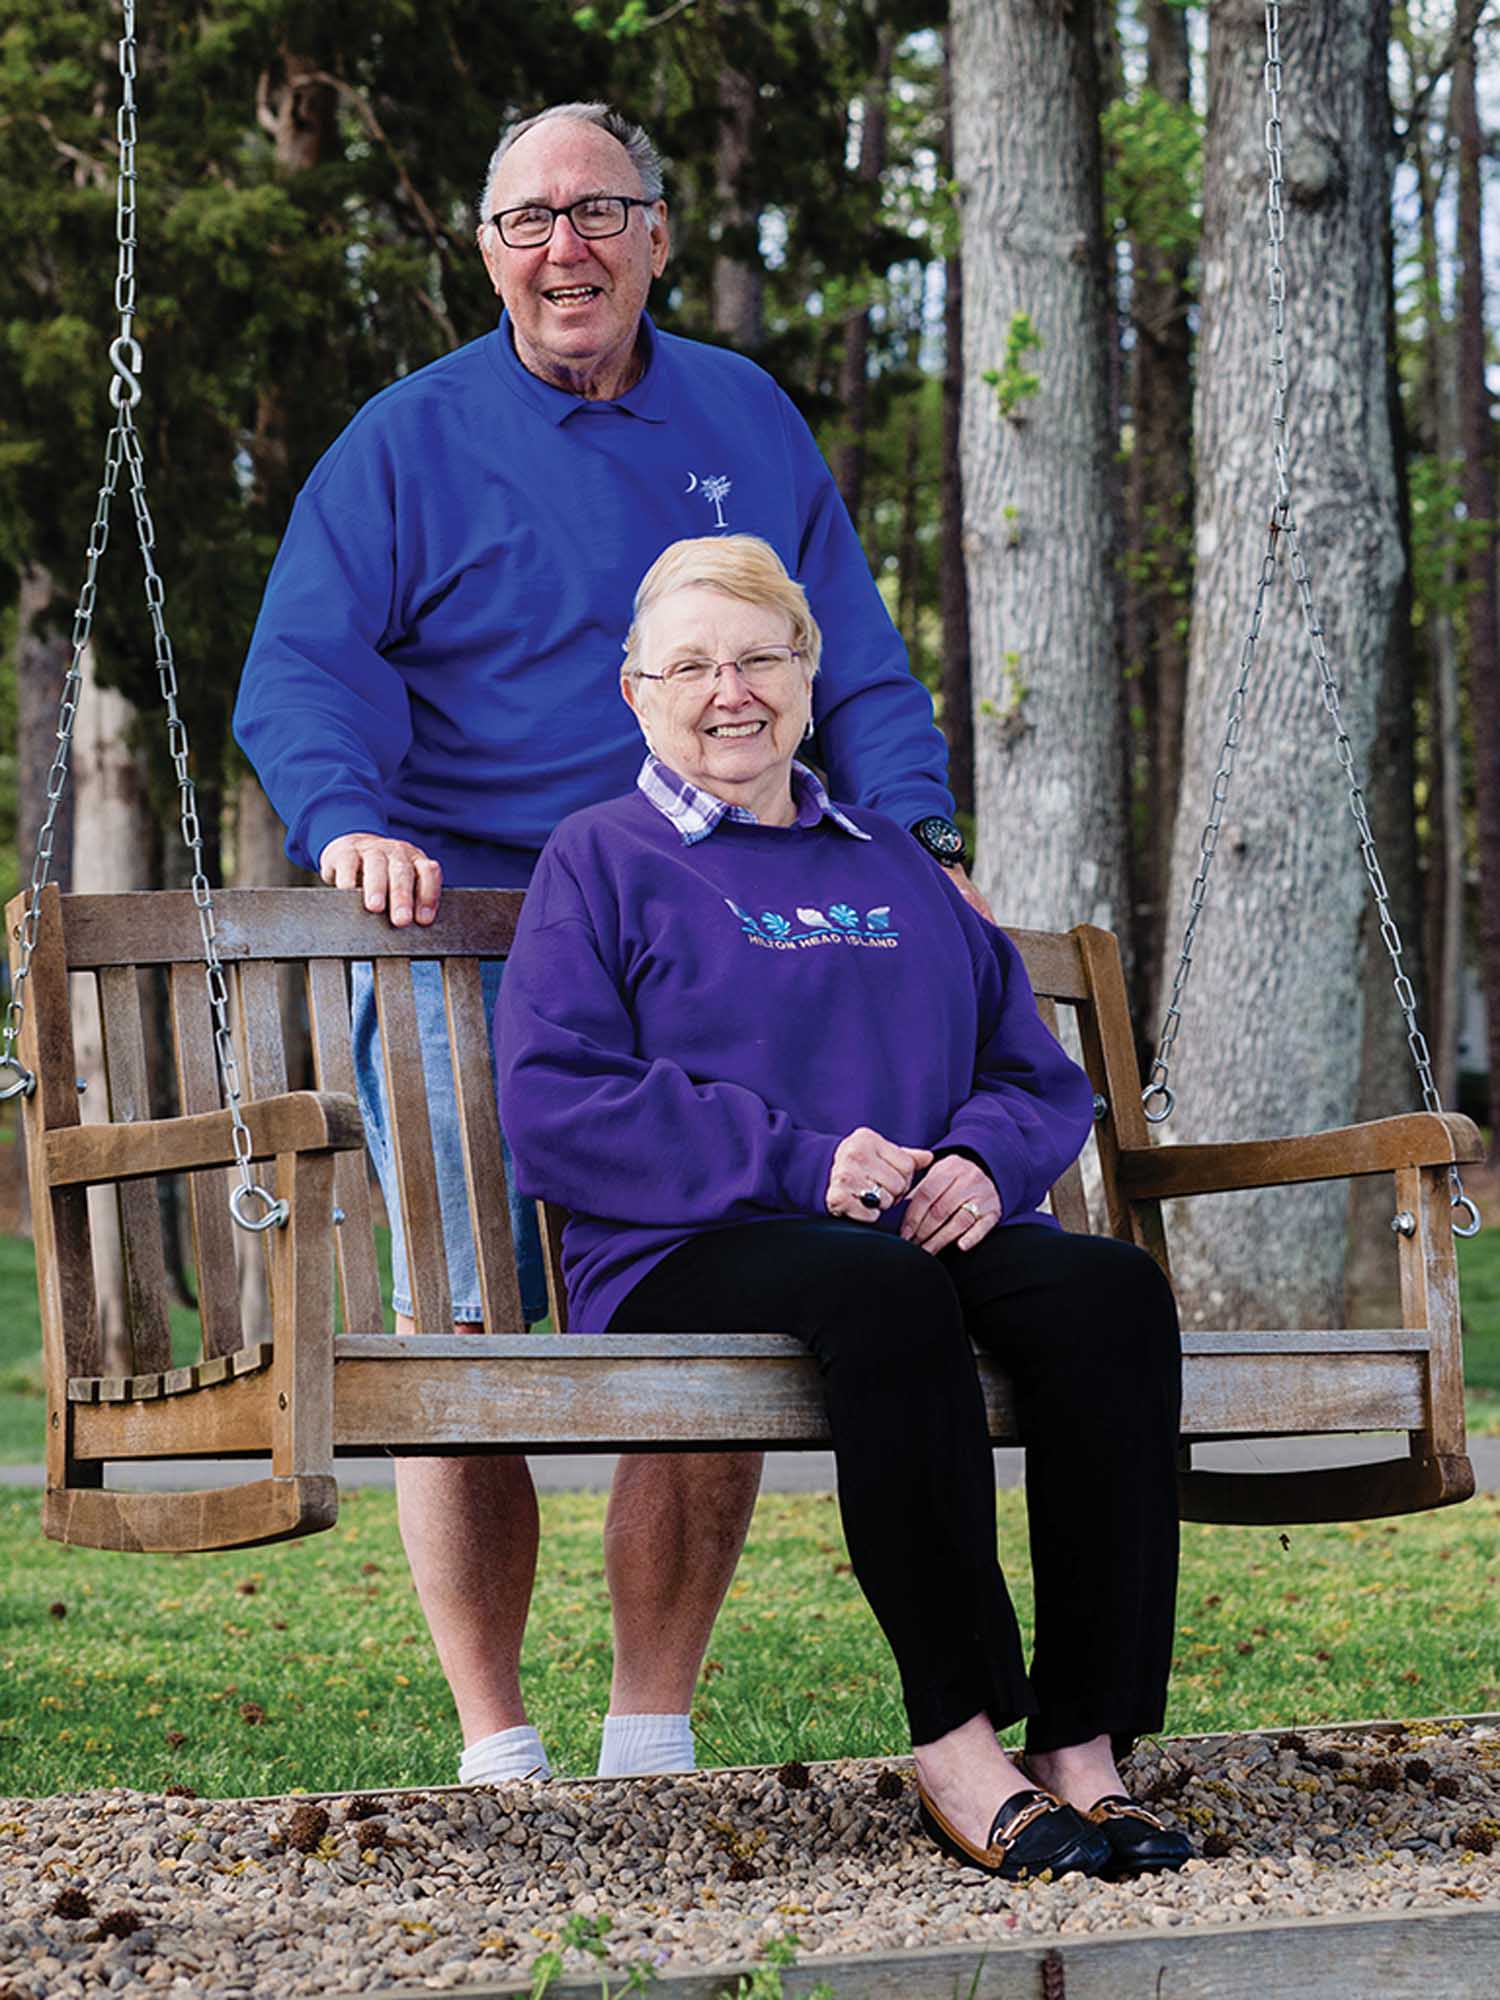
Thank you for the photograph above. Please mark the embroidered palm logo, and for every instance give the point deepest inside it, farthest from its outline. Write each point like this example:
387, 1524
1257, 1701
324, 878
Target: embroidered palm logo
715, 491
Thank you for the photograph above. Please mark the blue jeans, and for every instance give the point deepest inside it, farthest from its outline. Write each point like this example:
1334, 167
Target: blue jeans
447, 1150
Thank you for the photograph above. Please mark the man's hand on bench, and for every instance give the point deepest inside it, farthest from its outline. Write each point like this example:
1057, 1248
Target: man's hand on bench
393, 874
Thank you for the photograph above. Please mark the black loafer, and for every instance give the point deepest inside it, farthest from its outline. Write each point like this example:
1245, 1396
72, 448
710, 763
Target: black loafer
1139, 1842
1032, 1834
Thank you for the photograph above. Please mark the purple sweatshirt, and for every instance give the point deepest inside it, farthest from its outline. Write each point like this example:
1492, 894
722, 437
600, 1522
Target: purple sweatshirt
689, 1027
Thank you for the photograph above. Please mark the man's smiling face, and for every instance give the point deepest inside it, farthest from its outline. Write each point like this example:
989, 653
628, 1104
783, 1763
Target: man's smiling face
575, 304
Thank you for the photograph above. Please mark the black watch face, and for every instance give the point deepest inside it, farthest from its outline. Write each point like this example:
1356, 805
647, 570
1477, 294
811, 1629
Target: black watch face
941, 838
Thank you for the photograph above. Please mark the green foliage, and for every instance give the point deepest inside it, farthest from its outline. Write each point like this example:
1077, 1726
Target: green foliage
1012, 381
1153, 173
1442, 537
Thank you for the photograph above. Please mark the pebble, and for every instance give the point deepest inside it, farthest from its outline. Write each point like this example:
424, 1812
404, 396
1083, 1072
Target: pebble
472, 1885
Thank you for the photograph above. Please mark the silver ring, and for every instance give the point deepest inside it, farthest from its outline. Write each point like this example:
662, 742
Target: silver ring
871, 1196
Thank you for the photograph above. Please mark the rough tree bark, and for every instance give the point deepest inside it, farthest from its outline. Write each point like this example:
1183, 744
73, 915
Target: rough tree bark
1477, 443
1447, 859
957, 695
738, 281
854, 369
1271, 1042
1048, 764
41, 663
299, 111
1159, 517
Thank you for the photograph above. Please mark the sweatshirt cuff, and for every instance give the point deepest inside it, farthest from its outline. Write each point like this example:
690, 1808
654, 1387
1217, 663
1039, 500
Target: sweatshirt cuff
1008, 1174
807, 1171
331, 818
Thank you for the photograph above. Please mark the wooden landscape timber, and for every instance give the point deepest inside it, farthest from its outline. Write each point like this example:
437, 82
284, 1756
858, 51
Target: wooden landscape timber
311, 1394
1418, 1955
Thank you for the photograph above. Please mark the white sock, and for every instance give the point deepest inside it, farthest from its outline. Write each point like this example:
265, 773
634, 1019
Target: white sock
637, 1746
504, 1757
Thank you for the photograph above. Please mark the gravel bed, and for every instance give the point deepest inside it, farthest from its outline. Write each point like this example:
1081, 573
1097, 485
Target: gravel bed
137, 1893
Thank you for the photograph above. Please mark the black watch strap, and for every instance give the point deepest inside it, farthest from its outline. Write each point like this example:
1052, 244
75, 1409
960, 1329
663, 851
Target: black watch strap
942, 839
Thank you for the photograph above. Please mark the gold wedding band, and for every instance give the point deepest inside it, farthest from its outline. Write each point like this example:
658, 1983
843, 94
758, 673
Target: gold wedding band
973, 1208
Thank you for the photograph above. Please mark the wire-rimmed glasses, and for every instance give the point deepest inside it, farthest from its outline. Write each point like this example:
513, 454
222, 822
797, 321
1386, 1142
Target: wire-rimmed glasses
758, 668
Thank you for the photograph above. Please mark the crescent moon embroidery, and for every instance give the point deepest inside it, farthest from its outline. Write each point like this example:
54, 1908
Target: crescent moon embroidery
692, 485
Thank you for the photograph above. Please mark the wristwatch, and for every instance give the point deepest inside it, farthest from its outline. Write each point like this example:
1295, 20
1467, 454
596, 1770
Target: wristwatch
942, 840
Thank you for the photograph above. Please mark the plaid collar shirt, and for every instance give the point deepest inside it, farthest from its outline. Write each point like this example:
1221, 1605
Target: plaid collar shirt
695, 813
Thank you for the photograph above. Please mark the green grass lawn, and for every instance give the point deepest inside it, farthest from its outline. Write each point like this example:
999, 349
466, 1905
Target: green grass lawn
308, 1665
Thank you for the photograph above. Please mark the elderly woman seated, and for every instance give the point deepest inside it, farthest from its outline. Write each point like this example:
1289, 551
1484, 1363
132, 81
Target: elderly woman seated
784, 1078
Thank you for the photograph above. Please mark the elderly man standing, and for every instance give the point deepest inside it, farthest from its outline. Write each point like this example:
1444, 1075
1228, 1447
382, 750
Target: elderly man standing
432, 686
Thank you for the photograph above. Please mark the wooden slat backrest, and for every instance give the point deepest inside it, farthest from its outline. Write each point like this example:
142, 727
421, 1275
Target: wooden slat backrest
147, 1324
479, 1131
64, 1245
411, 1145
259, 928
333, 1069
213, 1230
1069, 1202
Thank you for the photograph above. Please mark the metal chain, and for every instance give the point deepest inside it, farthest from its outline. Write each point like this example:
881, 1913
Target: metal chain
252, 1206
1158, 1096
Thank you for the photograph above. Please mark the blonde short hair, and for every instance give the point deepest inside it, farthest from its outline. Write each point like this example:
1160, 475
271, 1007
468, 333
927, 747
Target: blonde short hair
741, 566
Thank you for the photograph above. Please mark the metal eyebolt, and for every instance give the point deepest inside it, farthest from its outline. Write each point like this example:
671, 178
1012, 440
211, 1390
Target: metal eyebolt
22, 1081
1101, 1107
1475, 1222
1403, 1223
276, 1212
1168, 1097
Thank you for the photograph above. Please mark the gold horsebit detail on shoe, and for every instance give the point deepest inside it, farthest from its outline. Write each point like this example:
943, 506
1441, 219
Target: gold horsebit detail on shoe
1124, 1809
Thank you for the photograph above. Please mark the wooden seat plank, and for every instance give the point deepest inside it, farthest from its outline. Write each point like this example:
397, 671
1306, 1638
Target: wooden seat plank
333, 1067
149, 1328
208, 1193
411, 1142
479, 1131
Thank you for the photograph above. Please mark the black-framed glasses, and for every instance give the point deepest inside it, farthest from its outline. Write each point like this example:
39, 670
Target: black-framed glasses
757, 668
531, 225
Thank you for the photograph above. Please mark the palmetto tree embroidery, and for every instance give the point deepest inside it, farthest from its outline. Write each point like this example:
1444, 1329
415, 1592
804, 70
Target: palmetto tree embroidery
715, 491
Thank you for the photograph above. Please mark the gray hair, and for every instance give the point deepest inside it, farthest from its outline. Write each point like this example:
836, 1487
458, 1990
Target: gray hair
643, 155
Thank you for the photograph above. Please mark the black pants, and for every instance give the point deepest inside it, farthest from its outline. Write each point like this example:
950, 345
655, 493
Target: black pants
1086, 1329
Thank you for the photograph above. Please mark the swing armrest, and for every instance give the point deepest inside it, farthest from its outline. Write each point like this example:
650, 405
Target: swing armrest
301, 1121
1420, 1139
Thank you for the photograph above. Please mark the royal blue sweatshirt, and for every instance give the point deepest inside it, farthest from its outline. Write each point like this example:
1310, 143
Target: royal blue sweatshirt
438, 653
687, 1031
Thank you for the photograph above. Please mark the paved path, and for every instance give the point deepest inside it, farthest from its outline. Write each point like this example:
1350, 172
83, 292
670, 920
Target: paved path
786, 1471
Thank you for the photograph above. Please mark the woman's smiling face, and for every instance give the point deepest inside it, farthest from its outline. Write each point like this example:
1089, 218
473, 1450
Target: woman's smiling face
735, 740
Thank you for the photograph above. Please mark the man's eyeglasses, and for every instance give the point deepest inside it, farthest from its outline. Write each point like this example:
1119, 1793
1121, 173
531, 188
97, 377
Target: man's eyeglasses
530, 226
756, 669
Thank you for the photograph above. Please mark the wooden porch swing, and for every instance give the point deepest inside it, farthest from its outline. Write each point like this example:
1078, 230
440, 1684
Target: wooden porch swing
331, 1382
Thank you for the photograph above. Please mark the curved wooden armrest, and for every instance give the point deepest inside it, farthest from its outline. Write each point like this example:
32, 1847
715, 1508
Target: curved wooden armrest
301, 1121
1420, 1139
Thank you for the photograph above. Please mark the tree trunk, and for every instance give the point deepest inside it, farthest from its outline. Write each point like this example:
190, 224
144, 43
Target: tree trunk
957, 696
854, 385
738, 281
1271, 1040
1387, 1081
1048, 765
1159, 516
41, 664
1447, 855
1477, 443
112, 841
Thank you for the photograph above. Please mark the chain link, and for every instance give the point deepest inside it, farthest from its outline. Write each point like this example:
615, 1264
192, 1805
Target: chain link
1158, 1096
251, 1205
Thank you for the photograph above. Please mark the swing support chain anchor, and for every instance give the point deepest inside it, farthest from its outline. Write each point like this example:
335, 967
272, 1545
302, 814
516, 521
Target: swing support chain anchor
123, 448
1283, 544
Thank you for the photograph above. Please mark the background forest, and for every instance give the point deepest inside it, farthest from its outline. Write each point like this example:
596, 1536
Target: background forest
1010, 259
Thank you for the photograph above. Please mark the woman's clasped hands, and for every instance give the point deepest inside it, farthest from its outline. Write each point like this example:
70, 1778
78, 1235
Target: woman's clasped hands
953, 1200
